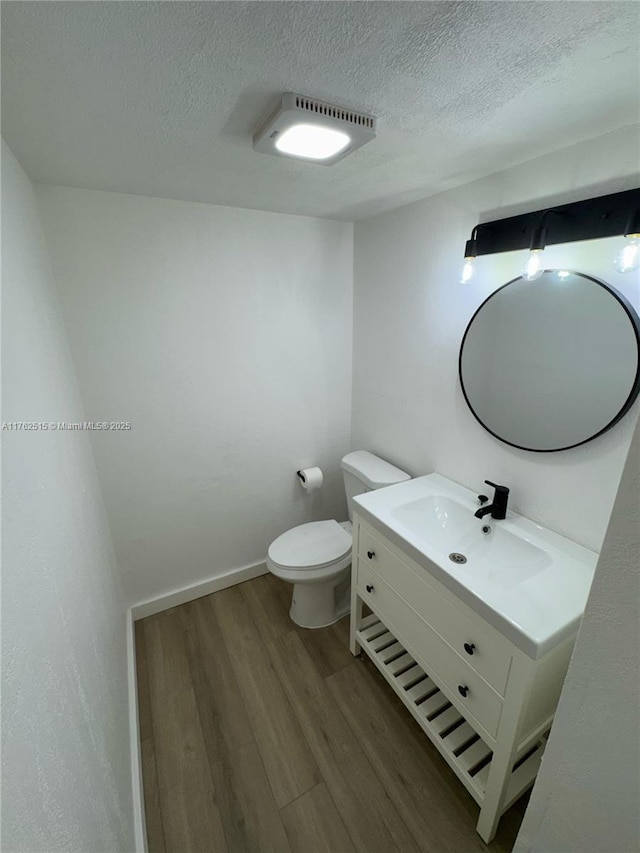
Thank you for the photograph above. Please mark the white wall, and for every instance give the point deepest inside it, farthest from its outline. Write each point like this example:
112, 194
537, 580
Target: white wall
224, 336
410, 315
66, 776
586, 796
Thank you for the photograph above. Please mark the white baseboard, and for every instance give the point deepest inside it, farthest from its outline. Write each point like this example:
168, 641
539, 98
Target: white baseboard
196, 590
137, 789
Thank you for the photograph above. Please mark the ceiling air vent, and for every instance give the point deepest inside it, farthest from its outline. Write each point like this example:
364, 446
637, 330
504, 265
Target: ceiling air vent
313, 130
339, 113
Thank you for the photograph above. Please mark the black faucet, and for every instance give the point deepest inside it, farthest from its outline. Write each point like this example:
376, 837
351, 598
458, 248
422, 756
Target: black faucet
498, 508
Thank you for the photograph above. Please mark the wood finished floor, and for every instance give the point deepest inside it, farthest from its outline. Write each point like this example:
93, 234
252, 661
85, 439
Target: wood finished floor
261, 737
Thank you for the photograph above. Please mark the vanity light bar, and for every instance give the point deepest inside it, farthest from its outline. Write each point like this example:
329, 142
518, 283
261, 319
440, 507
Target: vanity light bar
603, 216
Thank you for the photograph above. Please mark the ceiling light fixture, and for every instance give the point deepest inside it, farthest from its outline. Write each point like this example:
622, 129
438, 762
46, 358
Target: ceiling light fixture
313, 130
628, 258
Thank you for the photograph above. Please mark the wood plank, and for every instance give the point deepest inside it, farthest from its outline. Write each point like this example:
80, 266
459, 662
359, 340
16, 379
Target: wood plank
152, 811
448, 718
422, 689
223, 717
269, 601
250, 816
472, 756
288, 761
385, 639
392, 651
190, 817
142, 678
411, 676
326, 647
404, 662
371, 627
458, 737
314, 825
415, 777
374, 824
430, 707
341, 630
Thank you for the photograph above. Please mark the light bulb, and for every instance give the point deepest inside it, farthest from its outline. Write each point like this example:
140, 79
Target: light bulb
467, 271
312, 141
628, 258
534, 266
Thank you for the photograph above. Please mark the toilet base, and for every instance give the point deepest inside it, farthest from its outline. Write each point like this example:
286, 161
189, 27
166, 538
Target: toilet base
318, 605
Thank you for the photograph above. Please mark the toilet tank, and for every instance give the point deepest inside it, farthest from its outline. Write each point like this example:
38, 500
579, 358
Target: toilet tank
364, 472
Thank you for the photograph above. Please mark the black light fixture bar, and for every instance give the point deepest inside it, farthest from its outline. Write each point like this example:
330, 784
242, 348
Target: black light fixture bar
604, 216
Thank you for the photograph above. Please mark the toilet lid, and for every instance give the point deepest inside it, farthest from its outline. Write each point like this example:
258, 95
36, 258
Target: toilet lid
310, 545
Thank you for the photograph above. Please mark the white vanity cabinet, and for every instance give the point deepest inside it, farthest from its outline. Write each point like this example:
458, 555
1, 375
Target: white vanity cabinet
485, 704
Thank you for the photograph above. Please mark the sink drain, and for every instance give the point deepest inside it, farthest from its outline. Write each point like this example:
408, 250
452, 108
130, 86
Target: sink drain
457, 558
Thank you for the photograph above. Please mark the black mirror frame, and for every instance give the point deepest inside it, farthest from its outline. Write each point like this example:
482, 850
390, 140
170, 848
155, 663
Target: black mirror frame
634, 319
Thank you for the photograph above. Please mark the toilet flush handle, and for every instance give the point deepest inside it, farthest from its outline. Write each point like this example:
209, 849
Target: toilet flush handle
371, 554
369, 587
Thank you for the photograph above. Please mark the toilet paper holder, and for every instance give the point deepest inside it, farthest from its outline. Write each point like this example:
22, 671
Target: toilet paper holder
310, 478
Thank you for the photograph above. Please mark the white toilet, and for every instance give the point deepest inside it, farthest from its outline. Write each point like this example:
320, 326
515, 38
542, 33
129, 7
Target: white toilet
316, 557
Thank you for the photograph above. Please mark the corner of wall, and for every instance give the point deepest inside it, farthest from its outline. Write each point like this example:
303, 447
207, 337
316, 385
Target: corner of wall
137, 786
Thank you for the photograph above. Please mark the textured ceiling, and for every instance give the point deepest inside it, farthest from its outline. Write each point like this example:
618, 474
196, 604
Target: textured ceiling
162, 98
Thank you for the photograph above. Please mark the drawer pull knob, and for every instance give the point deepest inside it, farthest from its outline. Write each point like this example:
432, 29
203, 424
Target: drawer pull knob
371, 554
369, 587
463, 690
469, 648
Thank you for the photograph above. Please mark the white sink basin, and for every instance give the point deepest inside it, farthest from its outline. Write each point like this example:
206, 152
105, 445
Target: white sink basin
530, 583
451, 528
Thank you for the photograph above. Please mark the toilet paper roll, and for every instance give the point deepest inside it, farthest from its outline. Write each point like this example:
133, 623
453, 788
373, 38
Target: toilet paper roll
310, 478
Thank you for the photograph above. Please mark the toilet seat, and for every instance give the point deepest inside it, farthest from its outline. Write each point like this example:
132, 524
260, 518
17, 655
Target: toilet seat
316, 545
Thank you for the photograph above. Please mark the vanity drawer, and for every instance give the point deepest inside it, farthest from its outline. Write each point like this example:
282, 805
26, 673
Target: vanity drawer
469, 636
450, 672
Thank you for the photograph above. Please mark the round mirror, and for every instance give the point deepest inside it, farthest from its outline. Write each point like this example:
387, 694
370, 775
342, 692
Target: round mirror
549, 364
